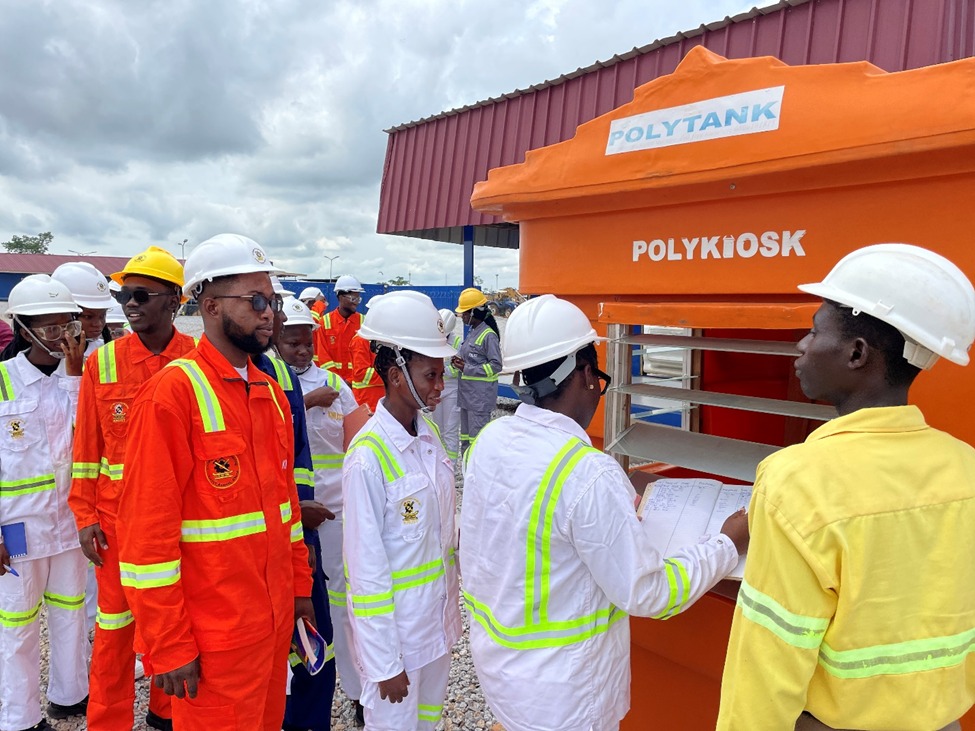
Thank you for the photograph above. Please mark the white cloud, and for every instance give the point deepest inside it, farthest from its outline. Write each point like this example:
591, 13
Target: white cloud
124, 124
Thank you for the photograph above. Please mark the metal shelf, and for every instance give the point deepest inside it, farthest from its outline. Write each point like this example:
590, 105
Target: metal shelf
732, 401
703, 452
728, 345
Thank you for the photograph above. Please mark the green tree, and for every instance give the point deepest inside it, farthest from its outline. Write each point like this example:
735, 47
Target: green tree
29, 244
479, 282
398, 281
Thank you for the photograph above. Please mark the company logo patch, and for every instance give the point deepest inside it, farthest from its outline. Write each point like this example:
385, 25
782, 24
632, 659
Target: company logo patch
139, 258
259, 256
441, 327
119, 411
296, 307
223, 472
101, 287
410, 510
16, 428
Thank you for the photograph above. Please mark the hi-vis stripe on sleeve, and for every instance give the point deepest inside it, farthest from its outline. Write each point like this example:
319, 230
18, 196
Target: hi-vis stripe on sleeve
285, 509
369, 605
149, 576
794, 629
304, 476
328, 461
111, 471
297, 533
680, 588
84, 470
6, 385
912, 656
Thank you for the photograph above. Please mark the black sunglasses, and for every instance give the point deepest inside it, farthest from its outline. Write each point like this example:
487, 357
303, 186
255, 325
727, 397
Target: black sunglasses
141, 296
258, 301
603, 377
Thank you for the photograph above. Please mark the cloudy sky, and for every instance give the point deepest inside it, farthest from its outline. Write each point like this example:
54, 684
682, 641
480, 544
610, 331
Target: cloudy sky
127, 123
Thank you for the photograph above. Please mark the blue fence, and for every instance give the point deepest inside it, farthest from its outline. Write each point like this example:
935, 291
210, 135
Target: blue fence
442, 296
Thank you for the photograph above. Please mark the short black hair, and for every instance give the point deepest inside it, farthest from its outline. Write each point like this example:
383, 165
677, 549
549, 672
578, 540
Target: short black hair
386, 359
585, 356
881, 336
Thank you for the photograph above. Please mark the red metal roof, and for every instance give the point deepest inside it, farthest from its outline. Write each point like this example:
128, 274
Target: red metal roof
47, 263
432, 164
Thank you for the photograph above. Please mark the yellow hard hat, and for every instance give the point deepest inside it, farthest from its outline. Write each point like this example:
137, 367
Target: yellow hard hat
153, 262
469, 299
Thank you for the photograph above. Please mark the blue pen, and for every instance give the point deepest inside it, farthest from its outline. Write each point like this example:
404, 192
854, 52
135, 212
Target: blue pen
10, 570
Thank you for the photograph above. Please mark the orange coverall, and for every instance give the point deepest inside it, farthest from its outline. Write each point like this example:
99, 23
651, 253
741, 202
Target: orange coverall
211, 542
113, 374
334, 337
367, 386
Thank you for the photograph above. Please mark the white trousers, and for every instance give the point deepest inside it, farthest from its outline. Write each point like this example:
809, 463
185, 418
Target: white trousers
421, 709
447, 417
91, 598
330, 534
58, 581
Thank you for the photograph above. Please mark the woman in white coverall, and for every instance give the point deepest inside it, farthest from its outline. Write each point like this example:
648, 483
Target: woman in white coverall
553, 555
38, 401
328, 399
447, 415
399, 533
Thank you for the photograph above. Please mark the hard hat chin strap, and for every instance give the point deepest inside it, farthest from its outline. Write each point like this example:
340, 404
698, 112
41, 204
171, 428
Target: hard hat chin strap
532, 393
59, 355
401, 362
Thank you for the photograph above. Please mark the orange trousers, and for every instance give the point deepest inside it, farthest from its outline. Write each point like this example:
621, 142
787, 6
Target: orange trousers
241, 689
112, 678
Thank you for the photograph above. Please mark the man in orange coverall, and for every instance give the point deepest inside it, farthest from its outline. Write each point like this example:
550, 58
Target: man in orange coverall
150, 296
334, 337
367, 386
213, 561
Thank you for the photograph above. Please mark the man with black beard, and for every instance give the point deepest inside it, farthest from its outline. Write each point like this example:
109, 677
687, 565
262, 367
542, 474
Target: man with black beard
212, 557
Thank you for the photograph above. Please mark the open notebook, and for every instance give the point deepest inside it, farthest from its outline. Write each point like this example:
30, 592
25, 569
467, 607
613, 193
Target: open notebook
678, 513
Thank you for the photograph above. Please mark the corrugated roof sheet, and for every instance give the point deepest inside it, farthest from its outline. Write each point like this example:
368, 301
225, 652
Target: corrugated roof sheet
432, 164
47, 263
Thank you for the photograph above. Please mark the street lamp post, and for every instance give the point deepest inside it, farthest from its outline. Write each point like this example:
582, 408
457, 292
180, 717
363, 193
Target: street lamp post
182, 249
81, 253
495, 282
330, 260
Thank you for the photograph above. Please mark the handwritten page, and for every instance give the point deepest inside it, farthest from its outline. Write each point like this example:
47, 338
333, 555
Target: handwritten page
678, 513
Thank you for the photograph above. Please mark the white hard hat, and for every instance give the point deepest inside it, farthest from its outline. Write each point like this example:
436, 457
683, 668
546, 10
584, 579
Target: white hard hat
88, 286
310, 293
449, 319
922, 294
542, 330
406, 319
115, 315
347, 283
278, 287
224, 255
38, 294
296, 312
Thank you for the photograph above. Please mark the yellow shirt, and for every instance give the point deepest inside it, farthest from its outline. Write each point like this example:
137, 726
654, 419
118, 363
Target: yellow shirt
858, 602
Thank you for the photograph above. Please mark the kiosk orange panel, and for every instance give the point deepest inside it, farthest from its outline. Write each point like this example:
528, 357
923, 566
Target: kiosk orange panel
703, 203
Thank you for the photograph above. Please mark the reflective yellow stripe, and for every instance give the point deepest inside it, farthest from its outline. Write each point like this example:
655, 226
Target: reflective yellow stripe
304, 476
84, 470
285, 511
222, 529
281, 372
680, 588
297, 532
428, 713
63, 601
274, 398
107, 368
336, 598
19, 619
899, 658
328, 461
148, 576
113, 621
111, 471
418, 575
6, 385
794, 629
366, 381
26, 486
206, 398
387, 462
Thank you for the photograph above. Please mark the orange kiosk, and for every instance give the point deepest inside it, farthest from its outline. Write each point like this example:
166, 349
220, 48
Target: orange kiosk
700, 206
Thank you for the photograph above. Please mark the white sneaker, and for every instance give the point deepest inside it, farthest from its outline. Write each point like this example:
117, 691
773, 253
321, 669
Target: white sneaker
140, 672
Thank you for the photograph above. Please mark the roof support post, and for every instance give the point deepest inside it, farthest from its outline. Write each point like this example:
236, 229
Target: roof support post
468, 256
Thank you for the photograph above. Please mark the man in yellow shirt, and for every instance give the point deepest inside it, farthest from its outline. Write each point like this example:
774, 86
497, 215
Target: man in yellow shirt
858, 606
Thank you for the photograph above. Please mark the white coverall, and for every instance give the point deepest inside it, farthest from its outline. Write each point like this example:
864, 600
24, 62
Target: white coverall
399, 542
447, 415
36, 421
326, 438
554, 558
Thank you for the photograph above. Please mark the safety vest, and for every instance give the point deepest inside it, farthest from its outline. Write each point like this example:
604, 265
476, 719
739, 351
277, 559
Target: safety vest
538, 629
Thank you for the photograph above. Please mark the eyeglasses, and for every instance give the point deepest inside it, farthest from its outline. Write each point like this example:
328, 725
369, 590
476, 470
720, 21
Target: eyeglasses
117, 332
258, 301
352, 296
52, 333
141, 296
605, 377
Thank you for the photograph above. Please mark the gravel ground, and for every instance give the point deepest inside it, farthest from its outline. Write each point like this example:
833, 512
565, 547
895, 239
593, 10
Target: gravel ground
464, 709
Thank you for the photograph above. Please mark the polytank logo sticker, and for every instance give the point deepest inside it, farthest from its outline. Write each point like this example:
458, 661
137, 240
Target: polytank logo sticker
726, 116
745, 245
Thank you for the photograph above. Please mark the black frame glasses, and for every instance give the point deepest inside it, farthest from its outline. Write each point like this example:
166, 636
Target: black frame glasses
600, 375
259, 302
141, 296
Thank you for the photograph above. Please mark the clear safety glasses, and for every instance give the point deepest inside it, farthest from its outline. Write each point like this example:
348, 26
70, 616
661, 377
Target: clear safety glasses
53, 333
